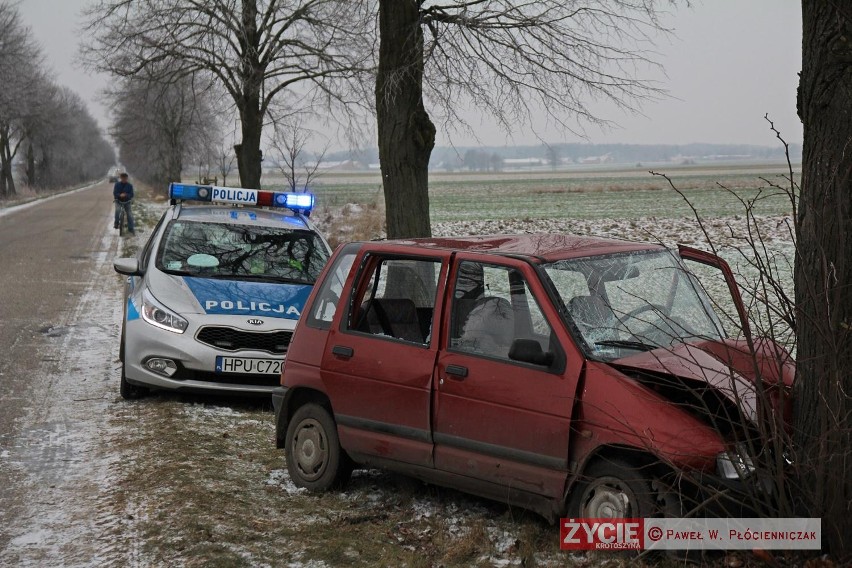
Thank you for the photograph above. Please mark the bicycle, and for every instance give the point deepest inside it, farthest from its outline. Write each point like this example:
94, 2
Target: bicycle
122, 206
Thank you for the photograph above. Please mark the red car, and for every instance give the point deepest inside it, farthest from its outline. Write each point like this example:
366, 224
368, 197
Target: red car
559, 373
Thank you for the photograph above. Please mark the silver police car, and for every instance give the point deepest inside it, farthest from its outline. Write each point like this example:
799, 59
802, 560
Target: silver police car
212, 298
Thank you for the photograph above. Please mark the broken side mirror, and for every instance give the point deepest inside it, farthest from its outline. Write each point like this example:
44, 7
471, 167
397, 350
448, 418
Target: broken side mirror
530, 351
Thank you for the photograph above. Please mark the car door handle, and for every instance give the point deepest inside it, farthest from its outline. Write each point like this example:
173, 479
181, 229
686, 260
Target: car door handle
457, 372
343, 351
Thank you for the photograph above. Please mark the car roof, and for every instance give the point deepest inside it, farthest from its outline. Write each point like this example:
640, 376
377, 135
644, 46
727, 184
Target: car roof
242, 216
544, 247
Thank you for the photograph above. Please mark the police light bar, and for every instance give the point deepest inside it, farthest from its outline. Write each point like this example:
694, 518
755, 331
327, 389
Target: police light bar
300, 202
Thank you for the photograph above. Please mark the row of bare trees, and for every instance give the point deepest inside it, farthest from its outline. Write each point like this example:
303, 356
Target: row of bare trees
162, 127
44, 128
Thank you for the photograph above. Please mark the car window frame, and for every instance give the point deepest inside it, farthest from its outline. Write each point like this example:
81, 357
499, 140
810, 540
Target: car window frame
360, 283
145, 253
320, 285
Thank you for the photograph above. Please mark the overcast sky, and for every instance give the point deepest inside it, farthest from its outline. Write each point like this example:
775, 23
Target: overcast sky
731, 62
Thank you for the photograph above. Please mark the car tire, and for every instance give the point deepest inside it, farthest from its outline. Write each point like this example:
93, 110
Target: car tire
129, 391
315, 460
613, 489
121, 343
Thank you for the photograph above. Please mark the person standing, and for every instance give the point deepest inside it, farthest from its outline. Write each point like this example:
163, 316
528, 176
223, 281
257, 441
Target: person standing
122, 192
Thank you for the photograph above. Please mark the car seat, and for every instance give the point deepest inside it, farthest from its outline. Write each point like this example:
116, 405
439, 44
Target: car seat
490, 327
394, 317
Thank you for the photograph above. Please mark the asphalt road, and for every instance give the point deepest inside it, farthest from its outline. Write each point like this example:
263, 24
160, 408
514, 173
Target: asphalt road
48, 254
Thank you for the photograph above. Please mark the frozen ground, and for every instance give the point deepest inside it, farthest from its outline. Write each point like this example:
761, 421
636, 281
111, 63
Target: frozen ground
177, 481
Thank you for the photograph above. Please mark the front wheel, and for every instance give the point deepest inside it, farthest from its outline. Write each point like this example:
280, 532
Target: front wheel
612, 489
129, 391
314, 457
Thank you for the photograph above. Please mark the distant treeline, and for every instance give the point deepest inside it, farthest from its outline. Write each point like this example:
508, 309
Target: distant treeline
460, 157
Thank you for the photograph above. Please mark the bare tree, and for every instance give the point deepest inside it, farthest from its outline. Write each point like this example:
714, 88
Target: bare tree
257, 51
224, 163
20, 73
160, 126
62, 142
509, 58
823, 412
551, 154
289, 144
67, 144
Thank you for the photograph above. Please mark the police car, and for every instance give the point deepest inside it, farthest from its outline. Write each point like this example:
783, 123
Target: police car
212, 298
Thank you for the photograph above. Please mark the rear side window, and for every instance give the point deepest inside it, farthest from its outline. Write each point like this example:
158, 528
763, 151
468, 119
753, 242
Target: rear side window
322, 311
396, 299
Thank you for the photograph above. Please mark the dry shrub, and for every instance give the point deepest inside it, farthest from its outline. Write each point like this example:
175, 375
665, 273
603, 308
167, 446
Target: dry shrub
464, 549
352, 222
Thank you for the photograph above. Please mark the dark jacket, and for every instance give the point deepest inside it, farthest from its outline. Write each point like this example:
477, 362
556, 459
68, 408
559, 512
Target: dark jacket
122, 187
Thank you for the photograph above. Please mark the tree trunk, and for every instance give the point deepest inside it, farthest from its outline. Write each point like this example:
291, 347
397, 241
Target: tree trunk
406, 133
4, 190
823, 272
248, 152
7, 182
31, 169
174, 158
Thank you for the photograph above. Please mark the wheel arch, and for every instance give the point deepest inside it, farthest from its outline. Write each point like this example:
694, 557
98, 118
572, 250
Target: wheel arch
640, 458
293, 399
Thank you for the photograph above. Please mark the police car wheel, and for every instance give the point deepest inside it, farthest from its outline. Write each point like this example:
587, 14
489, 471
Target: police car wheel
314, 457
121, 346
612, 489
129, 391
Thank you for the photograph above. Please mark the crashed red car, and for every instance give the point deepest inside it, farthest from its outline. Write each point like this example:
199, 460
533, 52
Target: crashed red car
564, 374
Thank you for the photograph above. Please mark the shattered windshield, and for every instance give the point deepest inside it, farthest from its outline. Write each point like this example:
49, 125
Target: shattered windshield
244, 252
632, 302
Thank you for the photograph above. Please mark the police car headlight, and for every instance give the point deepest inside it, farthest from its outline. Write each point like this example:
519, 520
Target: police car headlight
160, 316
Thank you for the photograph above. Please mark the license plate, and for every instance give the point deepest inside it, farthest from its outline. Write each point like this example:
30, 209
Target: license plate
246, 366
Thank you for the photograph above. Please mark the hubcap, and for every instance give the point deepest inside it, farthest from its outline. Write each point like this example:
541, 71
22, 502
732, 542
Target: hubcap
606, 498
311, 449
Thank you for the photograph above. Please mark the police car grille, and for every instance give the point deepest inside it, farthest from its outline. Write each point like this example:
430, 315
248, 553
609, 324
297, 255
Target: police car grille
229, 339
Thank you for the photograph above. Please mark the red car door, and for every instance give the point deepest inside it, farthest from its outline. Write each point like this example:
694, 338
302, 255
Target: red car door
379, 361
498, 419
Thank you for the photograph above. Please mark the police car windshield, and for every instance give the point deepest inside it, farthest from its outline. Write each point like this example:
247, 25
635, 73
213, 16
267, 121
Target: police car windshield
242, 252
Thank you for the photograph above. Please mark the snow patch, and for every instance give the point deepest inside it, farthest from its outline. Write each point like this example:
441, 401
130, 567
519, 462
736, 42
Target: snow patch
281, 478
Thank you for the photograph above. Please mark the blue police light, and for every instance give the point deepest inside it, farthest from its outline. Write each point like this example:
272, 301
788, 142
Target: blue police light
303, 202
185, 191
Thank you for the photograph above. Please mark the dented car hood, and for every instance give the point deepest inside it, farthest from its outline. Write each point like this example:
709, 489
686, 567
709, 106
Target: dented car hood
715, 363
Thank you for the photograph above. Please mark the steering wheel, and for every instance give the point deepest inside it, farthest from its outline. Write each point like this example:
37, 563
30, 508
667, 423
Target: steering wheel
684, 333
642, 309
